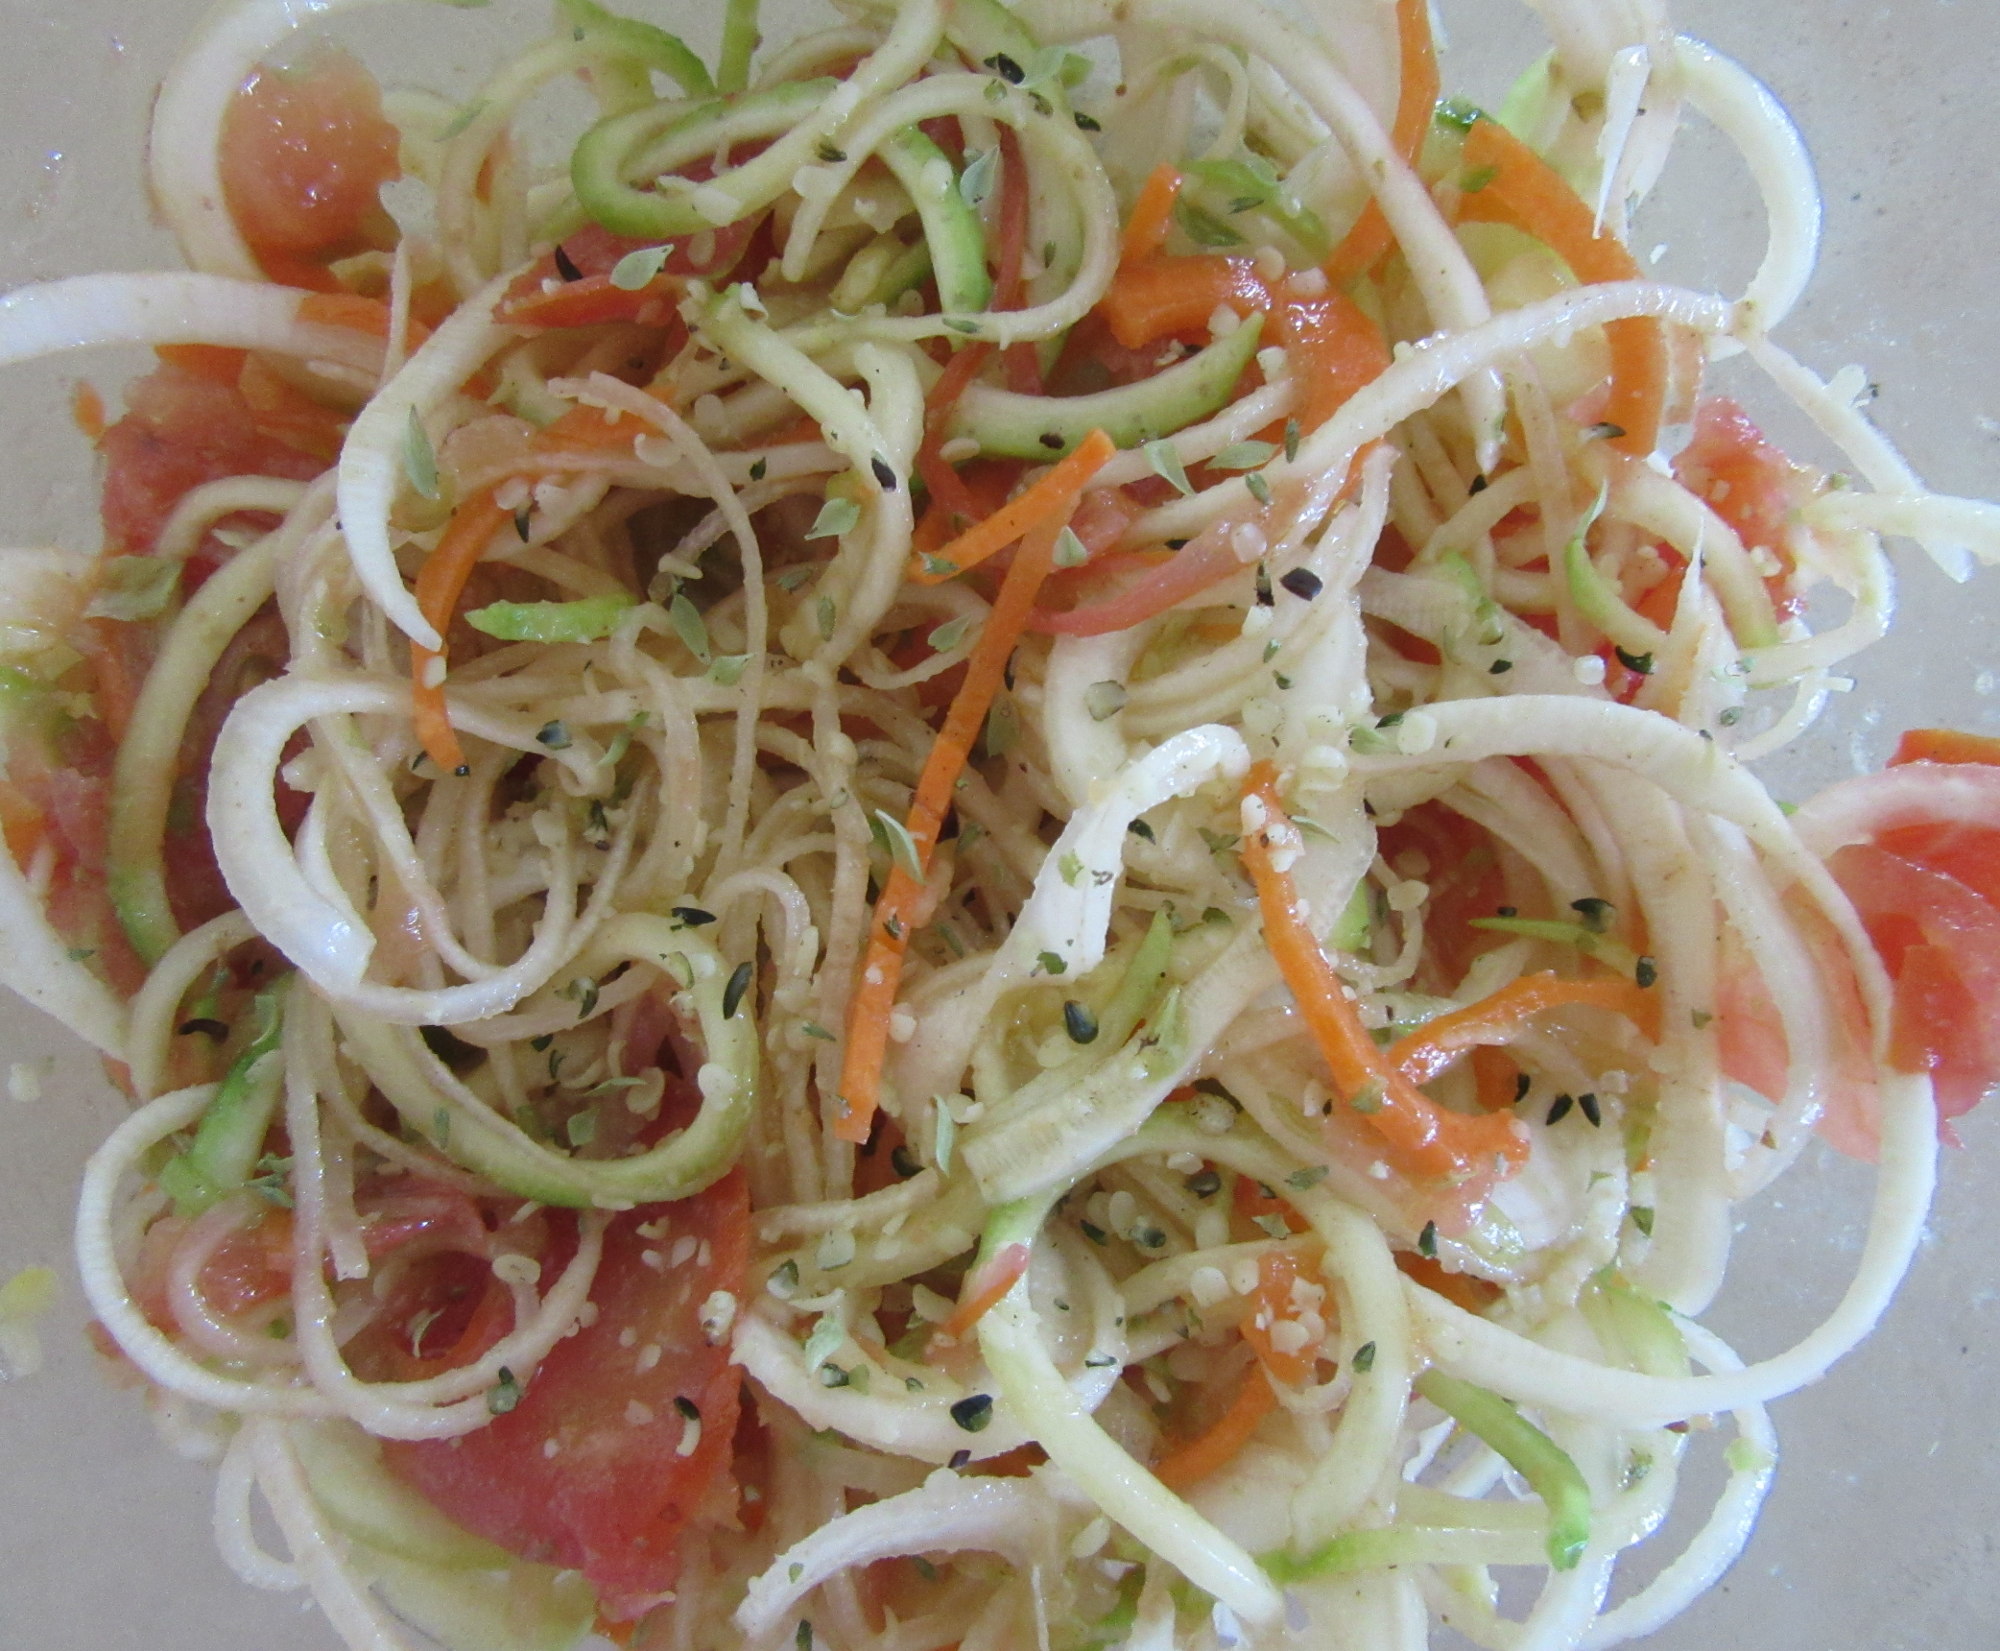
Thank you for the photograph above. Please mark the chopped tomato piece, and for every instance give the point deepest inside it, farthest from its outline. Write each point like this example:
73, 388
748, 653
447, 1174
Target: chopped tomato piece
1456, 860
1940, 942
1748, 482
305, 152
183, 428
623, 1438
1946, 745
1287, 1321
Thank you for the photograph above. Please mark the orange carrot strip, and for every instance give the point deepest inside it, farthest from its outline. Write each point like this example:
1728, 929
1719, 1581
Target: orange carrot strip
1220, 1445
1060, 486
1363, 246
1514, 185
1426, 1141
1146, 229
440, 583
1151, 297
1466, 1290
1505, 1015
895, 911
984, 1288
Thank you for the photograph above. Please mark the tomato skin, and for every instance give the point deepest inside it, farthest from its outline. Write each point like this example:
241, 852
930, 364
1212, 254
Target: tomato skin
1940, 942
305, 152
1947, 745
1464, 874
1749, 483
616, 1493
183, 427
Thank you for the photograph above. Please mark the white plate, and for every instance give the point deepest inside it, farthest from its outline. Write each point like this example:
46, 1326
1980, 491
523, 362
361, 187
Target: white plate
1880, 1533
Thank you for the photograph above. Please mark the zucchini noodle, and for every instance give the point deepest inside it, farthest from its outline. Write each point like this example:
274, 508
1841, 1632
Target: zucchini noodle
950, 843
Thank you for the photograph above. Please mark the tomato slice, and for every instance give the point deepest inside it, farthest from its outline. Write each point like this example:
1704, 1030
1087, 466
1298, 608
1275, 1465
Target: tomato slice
1748, 482
600, 1467
305, 152
1940, 941
1946, 745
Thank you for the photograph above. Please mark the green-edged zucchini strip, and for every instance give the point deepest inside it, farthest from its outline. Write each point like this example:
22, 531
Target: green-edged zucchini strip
1529, 1451
740, 40
957, 238
436, 1105
229, 1140
620, 153
1046, 427
641, 45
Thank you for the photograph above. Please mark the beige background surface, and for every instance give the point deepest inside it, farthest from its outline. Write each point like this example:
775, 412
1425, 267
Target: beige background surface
1882, 1530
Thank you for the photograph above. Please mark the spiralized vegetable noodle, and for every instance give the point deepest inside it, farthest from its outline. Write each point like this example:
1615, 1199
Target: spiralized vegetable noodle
958, 851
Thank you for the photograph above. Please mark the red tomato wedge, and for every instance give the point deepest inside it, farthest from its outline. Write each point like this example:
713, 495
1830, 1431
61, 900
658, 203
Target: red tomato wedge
1940, 942
1746, 481
182, 428
1946, 745
305, 152
600, 1467
1917, 849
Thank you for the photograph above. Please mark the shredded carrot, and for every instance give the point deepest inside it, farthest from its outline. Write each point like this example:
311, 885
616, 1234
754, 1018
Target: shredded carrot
1466, 1290
1363, 246
983, 1289
895, 911
1505, 1015
1063, 481
1508, 183
440, 583
1426, 1141
1209, 1452
1152, 212
1150, 298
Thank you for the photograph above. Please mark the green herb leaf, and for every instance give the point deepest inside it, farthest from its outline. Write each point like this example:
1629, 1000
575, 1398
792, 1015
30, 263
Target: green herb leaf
1070, 551
689, 626
728, 669
836, 516
1244, 455
976, 182
901, 845
950, 634
1165, 461
638, 270
420, 463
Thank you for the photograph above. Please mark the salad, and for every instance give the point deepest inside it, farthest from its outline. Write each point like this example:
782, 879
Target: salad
959, 845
